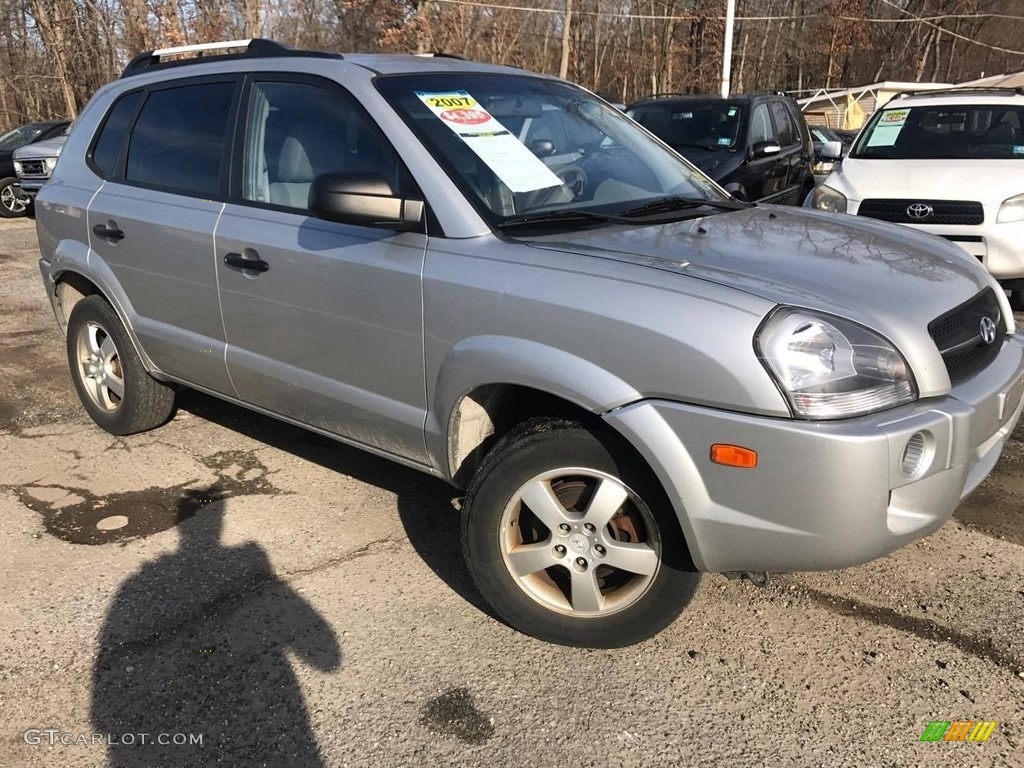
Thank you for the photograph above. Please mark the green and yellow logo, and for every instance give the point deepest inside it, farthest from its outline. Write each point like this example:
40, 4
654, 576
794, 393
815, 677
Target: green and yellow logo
958, 730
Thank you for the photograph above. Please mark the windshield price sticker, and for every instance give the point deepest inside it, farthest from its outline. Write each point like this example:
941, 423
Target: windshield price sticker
514, 164
888, 128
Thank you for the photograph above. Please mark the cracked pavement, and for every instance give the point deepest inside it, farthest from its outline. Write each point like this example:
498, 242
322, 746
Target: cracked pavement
298, 602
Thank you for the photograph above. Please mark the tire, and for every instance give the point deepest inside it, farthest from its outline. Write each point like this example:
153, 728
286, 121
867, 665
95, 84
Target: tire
99, 349
548, 462
10, 206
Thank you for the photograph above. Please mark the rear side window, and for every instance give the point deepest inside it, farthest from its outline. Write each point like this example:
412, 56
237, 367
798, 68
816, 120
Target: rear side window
179, 138
111, 137
784, 129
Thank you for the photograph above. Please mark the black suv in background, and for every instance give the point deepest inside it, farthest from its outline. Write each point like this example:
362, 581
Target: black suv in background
756, 146
11, 205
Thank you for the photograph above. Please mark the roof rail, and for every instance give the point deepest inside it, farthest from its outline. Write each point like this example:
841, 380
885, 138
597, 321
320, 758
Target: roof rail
994, 89
441, 55
665, 95
256, 48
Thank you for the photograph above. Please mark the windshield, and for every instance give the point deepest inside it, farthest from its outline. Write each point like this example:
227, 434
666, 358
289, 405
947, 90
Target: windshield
520, 145
955, 132
823, 134
20, 136
704, 126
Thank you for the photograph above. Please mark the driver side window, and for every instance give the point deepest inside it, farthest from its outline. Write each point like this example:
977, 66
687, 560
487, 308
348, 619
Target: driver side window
297, 131
761, 125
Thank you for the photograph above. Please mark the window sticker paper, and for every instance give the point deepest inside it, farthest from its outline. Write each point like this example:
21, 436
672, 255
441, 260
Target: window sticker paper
511, 161
888, 128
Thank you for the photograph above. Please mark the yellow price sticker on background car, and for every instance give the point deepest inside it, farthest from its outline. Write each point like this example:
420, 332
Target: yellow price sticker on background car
517, 167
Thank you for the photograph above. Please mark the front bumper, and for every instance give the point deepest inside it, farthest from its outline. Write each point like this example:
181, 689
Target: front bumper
825, 495
29, 188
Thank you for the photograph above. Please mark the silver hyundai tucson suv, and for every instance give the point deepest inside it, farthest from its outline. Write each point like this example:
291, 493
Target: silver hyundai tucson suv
497, 278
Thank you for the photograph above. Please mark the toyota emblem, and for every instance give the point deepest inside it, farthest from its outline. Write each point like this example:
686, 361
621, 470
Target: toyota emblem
988, 330
919, 211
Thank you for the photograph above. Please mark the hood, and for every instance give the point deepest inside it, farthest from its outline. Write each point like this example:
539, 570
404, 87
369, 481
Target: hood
884, 276
987, 181
714, 162
48, 148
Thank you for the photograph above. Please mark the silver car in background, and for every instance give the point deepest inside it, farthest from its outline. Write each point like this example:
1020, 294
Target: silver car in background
497, 278
34, 164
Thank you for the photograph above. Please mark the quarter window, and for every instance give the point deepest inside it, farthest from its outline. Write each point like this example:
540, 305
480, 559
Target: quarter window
111, 137
178, 140
297, 131
783, 124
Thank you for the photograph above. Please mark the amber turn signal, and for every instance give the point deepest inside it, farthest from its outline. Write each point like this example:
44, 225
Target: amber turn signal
733, 456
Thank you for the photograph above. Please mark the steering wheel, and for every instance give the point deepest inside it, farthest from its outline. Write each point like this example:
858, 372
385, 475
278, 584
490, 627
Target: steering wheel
573, 177
574, 182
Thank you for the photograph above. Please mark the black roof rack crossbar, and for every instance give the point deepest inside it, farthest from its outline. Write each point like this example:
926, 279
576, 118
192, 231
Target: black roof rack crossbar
1002, 91
256, 48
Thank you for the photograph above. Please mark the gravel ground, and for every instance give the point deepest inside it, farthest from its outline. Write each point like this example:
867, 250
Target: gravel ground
295, 602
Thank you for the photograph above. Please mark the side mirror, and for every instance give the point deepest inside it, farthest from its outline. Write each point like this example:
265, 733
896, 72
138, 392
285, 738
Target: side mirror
832, 150
765, 149
362, 199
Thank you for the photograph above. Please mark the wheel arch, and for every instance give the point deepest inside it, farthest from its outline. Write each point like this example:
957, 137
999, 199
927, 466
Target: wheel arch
488, 384
77, 274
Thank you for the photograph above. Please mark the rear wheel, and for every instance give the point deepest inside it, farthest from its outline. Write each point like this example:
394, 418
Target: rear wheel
11, 206
109, 376
571, 539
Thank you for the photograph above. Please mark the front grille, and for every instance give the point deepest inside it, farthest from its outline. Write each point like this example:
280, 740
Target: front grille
33, 168
958, 335
942, 211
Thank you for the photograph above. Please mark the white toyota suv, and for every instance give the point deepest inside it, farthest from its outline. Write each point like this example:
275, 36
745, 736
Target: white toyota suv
948, 162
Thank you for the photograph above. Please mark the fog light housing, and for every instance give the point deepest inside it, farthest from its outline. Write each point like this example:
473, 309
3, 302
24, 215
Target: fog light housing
916, 455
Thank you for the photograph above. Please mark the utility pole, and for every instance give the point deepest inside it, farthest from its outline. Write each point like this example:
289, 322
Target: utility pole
563, 69
730, 17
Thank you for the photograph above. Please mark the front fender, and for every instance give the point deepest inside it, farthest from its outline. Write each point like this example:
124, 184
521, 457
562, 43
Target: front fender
483, 360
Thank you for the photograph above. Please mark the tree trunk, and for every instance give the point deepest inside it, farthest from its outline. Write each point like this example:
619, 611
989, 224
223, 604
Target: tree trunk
563, 68
252, 18
53, 30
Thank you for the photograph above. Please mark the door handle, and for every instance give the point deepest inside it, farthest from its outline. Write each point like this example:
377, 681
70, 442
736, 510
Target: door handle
109, 233
239, 261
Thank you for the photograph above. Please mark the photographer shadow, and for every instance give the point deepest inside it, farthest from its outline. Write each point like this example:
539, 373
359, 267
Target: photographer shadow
194, 654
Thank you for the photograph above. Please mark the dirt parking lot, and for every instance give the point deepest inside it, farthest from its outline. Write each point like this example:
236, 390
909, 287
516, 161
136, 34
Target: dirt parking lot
291, 601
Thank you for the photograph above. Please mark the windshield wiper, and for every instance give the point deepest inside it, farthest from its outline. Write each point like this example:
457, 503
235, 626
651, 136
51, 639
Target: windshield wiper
565, 215
675, 202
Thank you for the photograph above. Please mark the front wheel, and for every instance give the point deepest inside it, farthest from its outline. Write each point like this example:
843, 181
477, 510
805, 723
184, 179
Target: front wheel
571, 539
11, 206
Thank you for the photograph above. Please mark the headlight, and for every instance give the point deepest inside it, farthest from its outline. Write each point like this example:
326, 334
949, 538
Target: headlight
830, 368
827, 199
825, 166
51, 163
1012, 209
17, 167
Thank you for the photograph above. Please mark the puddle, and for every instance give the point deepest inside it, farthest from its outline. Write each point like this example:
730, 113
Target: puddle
454, 714
136, 514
